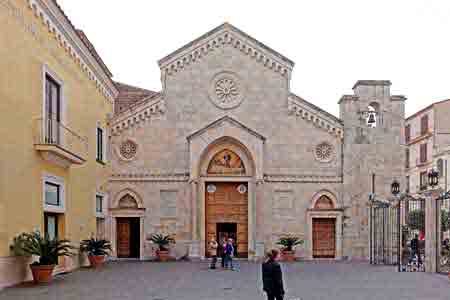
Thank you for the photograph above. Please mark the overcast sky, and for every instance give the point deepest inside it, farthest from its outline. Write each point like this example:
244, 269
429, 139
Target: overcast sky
333, 43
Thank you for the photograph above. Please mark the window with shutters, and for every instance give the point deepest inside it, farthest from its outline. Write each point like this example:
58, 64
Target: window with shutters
423, 153
424, 125
423, 180
440, 167
407, 158
407, 184
407, 133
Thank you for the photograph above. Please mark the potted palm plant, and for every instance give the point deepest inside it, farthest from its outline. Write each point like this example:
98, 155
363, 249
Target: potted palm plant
163, 241
288, 243
96, 249
48, 250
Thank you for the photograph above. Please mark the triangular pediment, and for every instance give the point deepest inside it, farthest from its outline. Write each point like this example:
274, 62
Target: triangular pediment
223, 122
222, 36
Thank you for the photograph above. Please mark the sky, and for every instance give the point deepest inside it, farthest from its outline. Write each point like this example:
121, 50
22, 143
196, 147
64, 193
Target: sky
333, 43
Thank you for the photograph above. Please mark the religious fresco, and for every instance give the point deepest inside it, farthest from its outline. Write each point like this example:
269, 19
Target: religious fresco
226, 162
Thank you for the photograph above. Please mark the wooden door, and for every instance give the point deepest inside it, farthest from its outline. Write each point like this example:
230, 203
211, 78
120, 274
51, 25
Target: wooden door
228, 203
123, 237
324, 238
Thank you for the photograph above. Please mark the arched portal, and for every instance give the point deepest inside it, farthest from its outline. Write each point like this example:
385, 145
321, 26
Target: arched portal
226, 171
127, 225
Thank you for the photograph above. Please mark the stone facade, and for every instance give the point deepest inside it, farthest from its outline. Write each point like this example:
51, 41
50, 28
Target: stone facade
226, 90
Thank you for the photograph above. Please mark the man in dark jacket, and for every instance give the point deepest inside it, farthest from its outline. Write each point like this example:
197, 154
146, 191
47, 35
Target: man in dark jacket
272, 277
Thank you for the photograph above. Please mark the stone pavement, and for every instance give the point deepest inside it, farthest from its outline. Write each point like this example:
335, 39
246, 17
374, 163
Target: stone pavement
189, 281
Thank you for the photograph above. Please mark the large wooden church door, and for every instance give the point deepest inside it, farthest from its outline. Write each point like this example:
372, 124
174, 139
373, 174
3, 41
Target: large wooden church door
324, 238
227, 213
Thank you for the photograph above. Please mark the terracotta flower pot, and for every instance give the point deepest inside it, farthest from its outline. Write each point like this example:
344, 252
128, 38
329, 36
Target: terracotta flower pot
96, 260
288, 255
163, 255
42, 274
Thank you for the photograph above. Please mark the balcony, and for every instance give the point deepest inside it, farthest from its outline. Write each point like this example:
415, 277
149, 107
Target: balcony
59, 144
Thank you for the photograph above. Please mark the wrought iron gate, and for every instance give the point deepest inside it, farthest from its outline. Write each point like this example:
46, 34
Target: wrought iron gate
384, 234
443, 235
411, 235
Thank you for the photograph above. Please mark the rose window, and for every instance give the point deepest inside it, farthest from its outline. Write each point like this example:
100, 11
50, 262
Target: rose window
226, 90
324, 152
128, 149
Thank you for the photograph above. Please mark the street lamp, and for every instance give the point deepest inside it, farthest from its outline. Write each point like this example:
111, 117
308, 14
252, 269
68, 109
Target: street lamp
433, 178
395, 187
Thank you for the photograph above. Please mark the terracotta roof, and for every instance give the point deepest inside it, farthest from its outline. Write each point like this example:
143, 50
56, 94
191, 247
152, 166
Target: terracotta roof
85, 41
130, 96
425, 109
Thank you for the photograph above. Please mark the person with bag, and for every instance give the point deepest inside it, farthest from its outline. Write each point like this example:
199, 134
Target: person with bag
272, 276
213, 252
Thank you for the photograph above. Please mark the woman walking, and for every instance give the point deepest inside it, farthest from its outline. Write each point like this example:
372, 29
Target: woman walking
272, 276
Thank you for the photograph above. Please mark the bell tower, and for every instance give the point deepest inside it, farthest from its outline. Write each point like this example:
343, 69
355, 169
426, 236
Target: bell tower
374, 155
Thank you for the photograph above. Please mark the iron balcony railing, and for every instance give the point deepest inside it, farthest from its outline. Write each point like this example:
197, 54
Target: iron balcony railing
51, 132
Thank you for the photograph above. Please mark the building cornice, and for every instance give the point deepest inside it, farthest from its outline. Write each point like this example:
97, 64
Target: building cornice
155, 177
225, 35
63, 31
315, 115
303, 178
152, 109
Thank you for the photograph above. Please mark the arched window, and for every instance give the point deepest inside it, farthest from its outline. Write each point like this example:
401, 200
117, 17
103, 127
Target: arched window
128, 201
226, 162
372, 114
324, 202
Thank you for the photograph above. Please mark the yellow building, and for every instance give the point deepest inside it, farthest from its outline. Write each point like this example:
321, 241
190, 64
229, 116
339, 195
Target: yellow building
56, 95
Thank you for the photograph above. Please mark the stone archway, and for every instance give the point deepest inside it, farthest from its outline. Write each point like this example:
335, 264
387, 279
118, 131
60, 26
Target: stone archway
127, 214
324, 234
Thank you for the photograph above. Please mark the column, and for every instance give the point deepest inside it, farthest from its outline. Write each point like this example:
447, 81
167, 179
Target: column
430, 231
194, 250
259, 218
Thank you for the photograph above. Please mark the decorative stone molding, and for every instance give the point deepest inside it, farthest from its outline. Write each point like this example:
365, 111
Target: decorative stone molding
321, 119
306, 178
225, 35
226, 90
169, 177
147, 111
324, 152
127, 150
51, 16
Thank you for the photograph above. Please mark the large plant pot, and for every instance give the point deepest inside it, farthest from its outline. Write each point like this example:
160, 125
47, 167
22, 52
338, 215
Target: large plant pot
288, 255
42, 274
96, 260
163, 255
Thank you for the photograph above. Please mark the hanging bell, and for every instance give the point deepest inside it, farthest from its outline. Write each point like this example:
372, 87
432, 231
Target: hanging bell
371, 121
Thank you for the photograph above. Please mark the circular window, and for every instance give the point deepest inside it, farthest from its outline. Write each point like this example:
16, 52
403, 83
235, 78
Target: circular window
242, 189
226, 90
128, 150
211, 188
324, 152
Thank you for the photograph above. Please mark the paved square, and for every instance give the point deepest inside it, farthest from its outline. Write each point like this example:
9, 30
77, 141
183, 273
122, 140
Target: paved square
189, 281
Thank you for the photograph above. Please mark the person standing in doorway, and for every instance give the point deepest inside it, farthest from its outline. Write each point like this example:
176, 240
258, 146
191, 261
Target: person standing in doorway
229, 253
272, 276
213, 252
222, 248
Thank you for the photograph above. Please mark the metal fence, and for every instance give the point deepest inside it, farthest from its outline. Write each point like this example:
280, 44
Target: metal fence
383, 234
443, 235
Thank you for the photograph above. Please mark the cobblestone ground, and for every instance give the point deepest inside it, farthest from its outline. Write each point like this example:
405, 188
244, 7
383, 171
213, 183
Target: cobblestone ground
189, 281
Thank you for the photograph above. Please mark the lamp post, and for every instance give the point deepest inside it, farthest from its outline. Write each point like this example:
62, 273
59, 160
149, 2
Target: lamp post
433, 178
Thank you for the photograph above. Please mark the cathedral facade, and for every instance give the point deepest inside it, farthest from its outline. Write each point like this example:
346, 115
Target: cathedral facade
227, 150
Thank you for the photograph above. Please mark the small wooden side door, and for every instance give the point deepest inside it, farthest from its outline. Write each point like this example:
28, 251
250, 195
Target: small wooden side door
324, 241
123, 237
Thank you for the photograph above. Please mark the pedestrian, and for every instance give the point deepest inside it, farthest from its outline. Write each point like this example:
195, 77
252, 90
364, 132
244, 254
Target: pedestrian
222, 248
229, 253
415, 250
213, 252
272, 276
